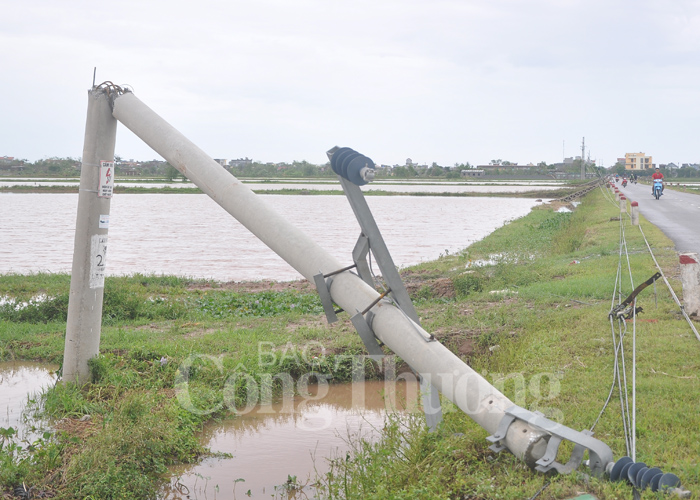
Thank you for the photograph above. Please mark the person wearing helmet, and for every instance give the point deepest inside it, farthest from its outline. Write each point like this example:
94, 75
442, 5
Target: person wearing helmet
657, 175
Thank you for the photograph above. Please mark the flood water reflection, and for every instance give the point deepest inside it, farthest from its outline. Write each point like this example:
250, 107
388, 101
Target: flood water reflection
271, 444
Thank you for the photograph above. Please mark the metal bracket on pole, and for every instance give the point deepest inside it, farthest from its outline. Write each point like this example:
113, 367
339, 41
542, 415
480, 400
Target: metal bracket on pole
359, 257
600, 454
431, 403
621, 309
375, 242
371, 238
322, 286
366, 333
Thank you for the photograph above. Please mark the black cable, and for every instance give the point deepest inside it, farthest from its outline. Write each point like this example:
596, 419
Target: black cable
540, 491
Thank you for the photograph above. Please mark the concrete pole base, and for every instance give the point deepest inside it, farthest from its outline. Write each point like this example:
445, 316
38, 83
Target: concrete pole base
634, 211
690, 278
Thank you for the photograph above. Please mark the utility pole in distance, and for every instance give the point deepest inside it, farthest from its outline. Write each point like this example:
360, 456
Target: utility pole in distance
583, 160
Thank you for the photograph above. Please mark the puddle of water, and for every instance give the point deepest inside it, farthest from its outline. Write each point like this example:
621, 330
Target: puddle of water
269, 445
5, 300
20, 380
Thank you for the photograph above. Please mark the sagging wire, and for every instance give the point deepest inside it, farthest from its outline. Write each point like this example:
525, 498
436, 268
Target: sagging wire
626, 410
616, 345
634, 380
112, 88
629, 418
609, 197
624, 395
668, 285
546, 485
619, 368
632, 424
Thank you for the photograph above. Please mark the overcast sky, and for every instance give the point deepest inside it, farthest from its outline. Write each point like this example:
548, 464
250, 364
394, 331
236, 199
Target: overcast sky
446, 81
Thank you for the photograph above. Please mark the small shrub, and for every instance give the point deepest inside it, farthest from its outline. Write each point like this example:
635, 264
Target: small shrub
424, 293
465, 284
37, 309
223, 305
98, 369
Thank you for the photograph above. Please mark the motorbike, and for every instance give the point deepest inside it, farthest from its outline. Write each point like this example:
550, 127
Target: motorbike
624, 183
658, 188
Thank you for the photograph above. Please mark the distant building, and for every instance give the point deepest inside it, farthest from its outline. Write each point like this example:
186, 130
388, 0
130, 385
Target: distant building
221, 161
129, 171
240, 162
509, 166
472, 172
638, 161
128, 164
8, 165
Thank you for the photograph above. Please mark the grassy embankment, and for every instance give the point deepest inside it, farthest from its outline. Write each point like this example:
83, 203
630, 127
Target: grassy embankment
546, 341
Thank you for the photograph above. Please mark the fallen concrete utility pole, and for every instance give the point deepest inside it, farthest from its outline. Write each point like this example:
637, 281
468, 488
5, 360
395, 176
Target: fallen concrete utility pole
529, 436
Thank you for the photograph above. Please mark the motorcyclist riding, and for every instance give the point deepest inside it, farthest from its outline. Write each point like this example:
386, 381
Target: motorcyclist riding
657, 175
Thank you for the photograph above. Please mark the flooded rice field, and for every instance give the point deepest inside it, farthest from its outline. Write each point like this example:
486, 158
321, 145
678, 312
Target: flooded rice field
486, 187
278, 452
190, 235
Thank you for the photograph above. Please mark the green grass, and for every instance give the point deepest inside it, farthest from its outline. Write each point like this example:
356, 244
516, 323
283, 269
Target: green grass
554, 355
544, 339
152, 326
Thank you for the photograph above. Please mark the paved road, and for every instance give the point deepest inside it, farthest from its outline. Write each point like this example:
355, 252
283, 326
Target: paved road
676, 214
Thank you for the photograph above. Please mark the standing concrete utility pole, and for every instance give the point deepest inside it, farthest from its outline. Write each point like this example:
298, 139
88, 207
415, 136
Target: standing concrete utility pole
690, 278
527, 435
583, 159
87, 277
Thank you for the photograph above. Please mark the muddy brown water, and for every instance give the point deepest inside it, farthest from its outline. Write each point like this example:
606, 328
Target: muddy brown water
265, 447
20, 380
270, 445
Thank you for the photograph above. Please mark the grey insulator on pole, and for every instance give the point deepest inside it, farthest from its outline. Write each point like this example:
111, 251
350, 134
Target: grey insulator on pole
454, 378
87, 276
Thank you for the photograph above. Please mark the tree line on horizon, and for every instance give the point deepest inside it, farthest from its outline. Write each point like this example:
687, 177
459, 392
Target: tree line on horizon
70, 167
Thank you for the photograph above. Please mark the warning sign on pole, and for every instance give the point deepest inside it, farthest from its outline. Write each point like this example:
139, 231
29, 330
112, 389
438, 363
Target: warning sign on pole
106, 187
